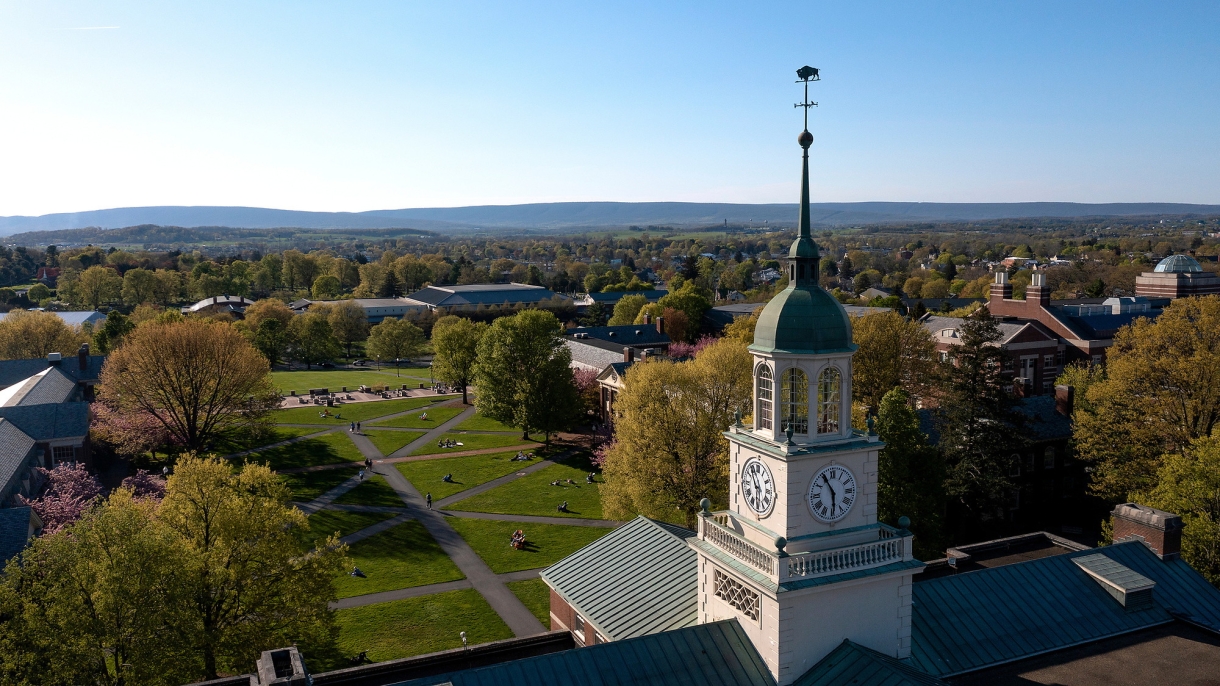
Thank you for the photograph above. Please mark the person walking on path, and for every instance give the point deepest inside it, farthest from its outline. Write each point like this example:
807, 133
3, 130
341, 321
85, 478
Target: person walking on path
352, 429
362, 475
429, 499
357, 427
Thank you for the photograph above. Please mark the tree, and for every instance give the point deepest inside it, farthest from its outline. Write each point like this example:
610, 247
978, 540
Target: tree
524, 375
668, 450
1188, 484
894, 353
676, 324
742, 328
312, 340
69, 490
348, 321
200, 379
29, 335
1095, 289
38, 292
455, 342
390, 288
248, 586
626, 309
97, 285
910, 475
111, 333
913, 287
395, 339
595, 315
269, 307
935, 288
977, 422
326, 287
148, 590
272, 339
1159, 392
692, 301
139, 286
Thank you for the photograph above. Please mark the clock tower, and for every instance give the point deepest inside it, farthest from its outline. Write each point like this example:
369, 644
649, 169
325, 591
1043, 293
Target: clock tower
799, 557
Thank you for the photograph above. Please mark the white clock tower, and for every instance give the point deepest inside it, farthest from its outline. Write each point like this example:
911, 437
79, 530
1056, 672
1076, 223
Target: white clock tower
799, 557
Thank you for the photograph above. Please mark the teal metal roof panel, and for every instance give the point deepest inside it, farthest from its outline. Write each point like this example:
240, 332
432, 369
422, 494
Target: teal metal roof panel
853, 664
716, 654
639, 579
978, 619
803, 320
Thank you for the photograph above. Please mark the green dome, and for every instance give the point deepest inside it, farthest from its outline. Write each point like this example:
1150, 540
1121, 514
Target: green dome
803, 320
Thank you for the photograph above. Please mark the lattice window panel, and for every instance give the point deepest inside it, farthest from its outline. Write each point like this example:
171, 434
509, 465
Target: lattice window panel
734, 593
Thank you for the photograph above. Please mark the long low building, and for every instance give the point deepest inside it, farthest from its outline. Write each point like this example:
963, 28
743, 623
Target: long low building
375, 309
90, 317
443, 299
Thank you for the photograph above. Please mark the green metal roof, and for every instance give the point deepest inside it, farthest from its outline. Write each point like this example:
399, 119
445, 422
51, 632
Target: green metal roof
853, 664
977, 619
639, 579
717, 654
805, 321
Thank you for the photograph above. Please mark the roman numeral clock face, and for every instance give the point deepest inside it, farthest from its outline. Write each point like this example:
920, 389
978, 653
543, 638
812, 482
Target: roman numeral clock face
757, 486
832, 493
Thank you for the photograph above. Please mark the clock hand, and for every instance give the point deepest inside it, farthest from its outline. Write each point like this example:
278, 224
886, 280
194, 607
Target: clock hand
832, 494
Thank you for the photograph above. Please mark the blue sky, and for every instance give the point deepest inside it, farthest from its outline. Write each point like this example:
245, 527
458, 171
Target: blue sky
365, 105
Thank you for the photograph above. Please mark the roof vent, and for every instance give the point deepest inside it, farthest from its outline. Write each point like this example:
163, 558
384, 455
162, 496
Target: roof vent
613, 334
54, 358
638, 332
1131, 589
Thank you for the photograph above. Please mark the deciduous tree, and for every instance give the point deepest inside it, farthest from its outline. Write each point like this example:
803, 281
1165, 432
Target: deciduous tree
395, 339
268, 308
139, 286
98, 285
312, 339
27, 335
894, 353
668, 450
348, 321
455, 342
200, 379
910, 475
1188, 484
524, 375
626, 309
111, 333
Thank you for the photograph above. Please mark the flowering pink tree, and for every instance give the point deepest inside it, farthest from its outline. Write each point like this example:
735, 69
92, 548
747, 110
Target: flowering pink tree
145, 485
70, 490
600, 452
131, 433
586, 385
683, 349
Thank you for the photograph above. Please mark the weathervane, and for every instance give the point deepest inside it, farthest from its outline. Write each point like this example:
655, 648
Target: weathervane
806, 75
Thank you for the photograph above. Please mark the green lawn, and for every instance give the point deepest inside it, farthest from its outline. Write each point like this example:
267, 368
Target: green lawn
468, 472
326, 522
374, 491
436, 417
352, 412
471, 442
536, 595
546, 544
306, 486
279, 433
480, 423
400, 557
388, 442
534, 495
415, 626
333, 448
335, 379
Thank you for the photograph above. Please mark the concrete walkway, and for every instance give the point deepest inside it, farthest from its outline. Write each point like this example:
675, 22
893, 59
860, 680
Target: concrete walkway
519, 619
330, 496
417, 591
376, 528
434, 434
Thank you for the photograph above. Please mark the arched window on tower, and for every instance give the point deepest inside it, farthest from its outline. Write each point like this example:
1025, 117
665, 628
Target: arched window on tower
794, 401
764, 397
829, 399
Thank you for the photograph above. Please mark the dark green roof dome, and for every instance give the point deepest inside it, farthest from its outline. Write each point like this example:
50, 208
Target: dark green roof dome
803, 320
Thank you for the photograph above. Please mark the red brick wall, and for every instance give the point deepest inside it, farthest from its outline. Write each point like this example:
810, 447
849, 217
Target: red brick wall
561, 610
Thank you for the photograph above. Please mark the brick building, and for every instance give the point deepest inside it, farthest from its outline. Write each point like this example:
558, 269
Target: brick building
1035, 354
1177, 276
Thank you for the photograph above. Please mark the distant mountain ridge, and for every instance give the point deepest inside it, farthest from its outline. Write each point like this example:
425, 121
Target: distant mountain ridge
571, 215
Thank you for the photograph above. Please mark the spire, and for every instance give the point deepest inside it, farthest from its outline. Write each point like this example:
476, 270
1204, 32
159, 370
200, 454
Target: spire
804, 254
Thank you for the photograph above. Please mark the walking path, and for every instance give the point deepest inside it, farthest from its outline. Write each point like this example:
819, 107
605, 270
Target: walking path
478, 575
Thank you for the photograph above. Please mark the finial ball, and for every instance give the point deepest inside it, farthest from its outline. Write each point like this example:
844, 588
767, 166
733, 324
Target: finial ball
805, 139
904, 522
705, 505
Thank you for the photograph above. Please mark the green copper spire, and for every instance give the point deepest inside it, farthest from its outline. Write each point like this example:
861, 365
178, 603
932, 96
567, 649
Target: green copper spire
803, 318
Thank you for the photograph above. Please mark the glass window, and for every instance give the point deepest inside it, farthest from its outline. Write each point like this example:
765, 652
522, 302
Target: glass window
1008, 364
1048, 458
1014, 465
63, 453
1048, 360
578, 626
764, 397
1097, 359
829, 396
794, 401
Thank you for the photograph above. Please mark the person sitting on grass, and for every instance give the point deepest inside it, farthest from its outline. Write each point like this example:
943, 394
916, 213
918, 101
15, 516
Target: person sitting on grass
423, 417
448, 478
589, 479
563, 507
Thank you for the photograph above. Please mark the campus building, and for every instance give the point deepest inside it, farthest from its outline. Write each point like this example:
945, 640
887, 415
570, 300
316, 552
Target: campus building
1177, 276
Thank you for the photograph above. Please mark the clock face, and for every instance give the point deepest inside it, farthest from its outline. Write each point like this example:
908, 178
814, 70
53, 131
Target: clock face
832, 493
757, 486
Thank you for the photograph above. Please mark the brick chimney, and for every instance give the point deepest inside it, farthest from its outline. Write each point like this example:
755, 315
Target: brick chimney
283, 667
1065, 400
1038, 292
647, 318
1159, 530
628, 354
1001, 289
660, 324
82, 357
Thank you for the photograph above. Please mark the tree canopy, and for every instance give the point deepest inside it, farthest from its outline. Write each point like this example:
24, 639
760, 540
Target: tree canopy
455, 344
395, 339
894, 352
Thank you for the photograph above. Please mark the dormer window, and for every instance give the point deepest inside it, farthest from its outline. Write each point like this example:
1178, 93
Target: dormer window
948, 333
